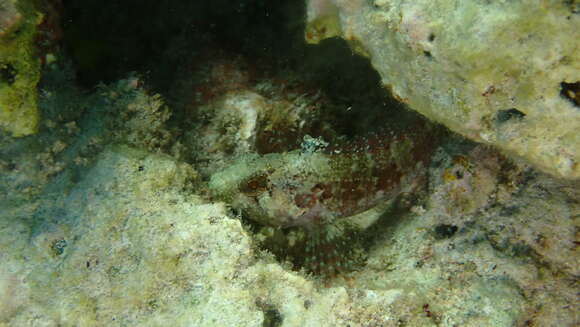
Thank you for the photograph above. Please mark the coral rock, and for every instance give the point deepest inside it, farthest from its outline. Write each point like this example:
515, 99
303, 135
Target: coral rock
19, 67
501, 73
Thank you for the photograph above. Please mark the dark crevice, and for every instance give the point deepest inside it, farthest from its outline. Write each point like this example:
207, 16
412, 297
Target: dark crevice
573, 5
106, 41
444, 231
7, 73
571, 92
272, 316
512, 114
177, 38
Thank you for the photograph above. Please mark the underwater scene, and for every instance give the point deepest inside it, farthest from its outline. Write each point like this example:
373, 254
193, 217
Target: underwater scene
261, 163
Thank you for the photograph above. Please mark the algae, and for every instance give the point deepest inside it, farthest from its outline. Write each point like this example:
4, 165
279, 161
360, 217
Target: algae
19, 69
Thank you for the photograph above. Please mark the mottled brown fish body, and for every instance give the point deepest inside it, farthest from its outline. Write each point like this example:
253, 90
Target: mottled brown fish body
307, 189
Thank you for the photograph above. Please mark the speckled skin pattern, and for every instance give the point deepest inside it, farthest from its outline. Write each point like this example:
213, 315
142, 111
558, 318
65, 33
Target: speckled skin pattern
301, 188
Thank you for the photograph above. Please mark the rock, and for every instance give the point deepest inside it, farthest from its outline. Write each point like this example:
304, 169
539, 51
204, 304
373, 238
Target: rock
19, 67
501, 73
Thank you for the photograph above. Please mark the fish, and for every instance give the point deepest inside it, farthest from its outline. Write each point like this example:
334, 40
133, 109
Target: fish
314, 188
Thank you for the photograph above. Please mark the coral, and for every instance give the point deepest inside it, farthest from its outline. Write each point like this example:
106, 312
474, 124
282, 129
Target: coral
501, 73
143, 115
75, 128
49, 31
483, 246
12, 290
468, 183
321, 21
19, 67
103, 263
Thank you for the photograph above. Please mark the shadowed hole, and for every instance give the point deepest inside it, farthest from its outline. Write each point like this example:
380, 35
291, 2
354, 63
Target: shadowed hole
512, 114
7, 74
571, 92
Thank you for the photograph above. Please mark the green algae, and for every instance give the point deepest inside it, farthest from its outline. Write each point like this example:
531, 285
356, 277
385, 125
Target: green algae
20, 72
